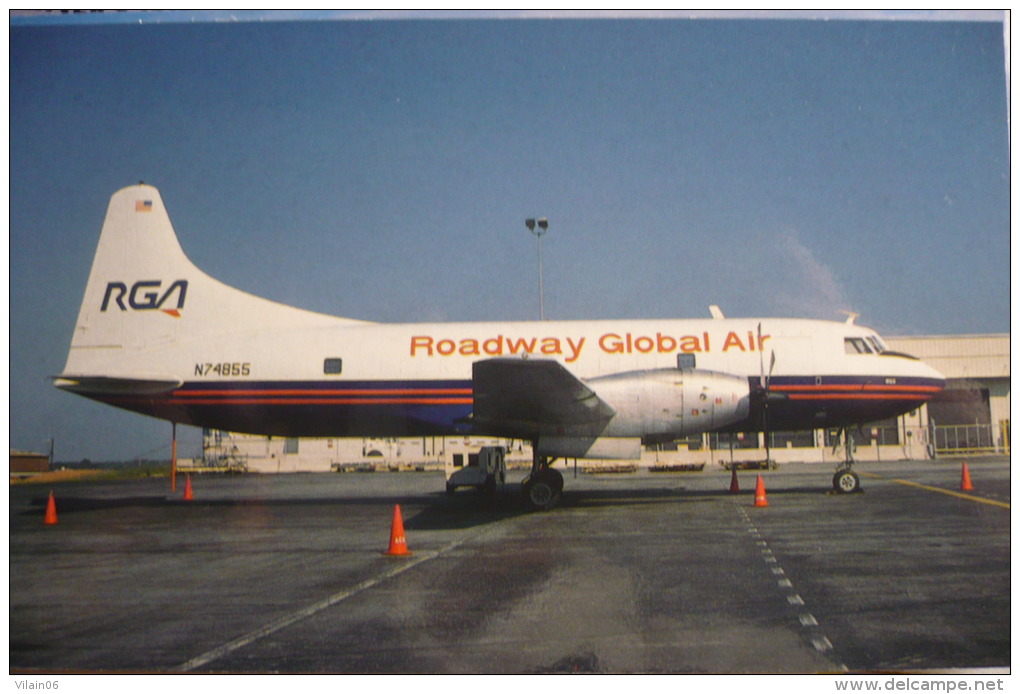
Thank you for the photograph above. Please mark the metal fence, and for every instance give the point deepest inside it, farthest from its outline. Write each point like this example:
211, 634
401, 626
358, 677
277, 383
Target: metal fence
951, 439
968, 439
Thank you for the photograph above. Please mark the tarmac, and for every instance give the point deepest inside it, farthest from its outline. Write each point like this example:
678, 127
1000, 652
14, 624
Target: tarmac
632, 573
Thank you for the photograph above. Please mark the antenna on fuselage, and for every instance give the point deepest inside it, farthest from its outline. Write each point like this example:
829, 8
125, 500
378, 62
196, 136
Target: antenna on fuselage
850, 316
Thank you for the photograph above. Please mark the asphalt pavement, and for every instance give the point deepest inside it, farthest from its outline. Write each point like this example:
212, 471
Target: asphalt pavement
632, 573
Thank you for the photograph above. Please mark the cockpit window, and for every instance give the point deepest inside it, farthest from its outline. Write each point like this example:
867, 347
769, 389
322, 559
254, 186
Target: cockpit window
876, 343
856, 345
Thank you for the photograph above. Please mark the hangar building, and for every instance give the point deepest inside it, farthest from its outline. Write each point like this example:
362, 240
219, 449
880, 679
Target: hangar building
970, 416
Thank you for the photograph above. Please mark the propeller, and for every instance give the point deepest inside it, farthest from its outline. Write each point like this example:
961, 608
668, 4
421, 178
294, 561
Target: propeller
764, 382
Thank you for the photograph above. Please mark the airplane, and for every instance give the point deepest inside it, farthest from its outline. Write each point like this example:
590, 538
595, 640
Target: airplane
157, 336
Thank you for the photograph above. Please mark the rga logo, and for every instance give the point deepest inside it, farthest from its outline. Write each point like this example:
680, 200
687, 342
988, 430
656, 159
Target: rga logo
145, 295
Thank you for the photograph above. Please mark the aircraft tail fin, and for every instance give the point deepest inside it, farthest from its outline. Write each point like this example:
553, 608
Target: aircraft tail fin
145, 300
139, 267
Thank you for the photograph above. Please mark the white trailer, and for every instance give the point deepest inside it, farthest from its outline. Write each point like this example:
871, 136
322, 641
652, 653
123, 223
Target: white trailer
484, 470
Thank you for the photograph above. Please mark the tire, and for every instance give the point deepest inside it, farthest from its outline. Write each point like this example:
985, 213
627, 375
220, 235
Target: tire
846, 482
539, 495
555, 478
450, 489
542, 490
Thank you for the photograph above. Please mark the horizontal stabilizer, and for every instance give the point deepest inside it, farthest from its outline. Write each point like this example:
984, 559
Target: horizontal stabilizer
107, 385
523, 397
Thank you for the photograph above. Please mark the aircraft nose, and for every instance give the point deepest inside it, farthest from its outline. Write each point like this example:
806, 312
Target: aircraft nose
937, 379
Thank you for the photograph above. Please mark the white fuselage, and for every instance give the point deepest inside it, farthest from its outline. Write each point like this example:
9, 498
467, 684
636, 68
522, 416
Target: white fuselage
157, 335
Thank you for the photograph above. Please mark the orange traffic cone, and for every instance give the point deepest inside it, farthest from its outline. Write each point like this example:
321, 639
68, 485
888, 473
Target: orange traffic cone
398, 543
51, 512
759, 493
734, 484
188, 494
965, 484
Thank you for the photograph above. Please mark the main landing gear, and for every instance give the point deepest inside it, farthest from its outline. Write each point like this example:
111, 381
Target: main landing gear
544, 486
846, 481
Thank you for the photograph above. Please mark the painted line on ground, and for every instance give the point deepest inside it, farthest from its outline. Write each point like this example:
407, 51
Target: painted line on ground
812, 630
940, 490
295, 617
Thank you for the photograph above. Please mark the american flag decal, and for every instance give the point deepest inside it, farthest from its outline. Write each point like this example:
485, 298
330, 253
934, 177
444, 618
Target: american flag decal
143, 206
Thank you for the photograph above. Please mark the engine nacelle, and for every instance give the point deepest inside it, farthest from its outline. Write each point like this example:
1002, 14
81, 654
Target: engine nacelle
666, 404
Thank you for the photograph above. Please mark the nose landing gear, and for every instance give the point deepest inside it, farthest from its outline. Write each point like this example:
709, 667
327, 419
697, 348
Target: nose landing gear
846, 481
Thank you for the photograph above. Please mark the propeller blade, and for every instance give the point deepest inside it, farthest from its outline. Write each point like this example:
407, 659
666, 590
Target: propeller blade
761, 363
764, 381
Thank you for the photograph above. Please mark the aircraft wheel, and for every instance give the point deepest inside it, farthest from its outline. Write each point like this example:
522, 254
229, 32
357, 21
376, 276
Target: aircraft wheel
846, 482
542, 492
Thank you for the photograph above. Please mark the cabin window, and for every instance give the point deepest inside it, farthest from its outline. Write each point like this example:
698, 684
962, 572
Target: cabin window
332, 366
856, 345
290, 446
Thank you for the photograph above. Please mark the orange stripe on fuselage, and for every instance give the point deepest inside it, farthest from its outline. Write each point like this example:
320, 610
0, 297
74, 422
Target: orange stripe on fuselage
321, 393
294, 400
858, 396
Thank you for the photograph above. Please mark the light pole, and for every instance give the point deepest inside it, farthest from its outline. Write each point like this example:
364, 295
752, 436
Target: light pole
543, 225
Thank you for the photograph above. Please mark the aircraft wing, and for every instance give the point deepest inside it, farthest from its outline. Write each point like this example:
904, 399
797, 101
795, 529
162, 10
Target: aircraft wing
527, 397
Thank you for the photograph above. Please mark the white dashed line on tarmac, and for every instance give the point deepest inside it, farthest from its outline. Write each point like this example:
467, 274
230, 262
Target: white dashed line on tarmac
822, 645
807, 621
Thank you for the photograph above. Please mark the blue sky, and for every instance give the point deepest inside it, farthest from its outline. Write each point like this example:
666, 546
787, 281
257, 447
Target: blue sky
383, 170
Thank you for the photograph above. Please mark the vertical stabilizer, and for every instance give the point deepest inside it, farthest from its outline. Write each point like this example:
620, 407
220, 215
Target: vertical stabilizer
145, 301
139, 269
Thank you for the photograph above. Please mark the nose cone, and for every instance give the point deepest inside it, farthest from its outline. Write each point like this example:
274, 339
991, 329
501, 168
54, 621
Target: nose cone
937, 380
926, 381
